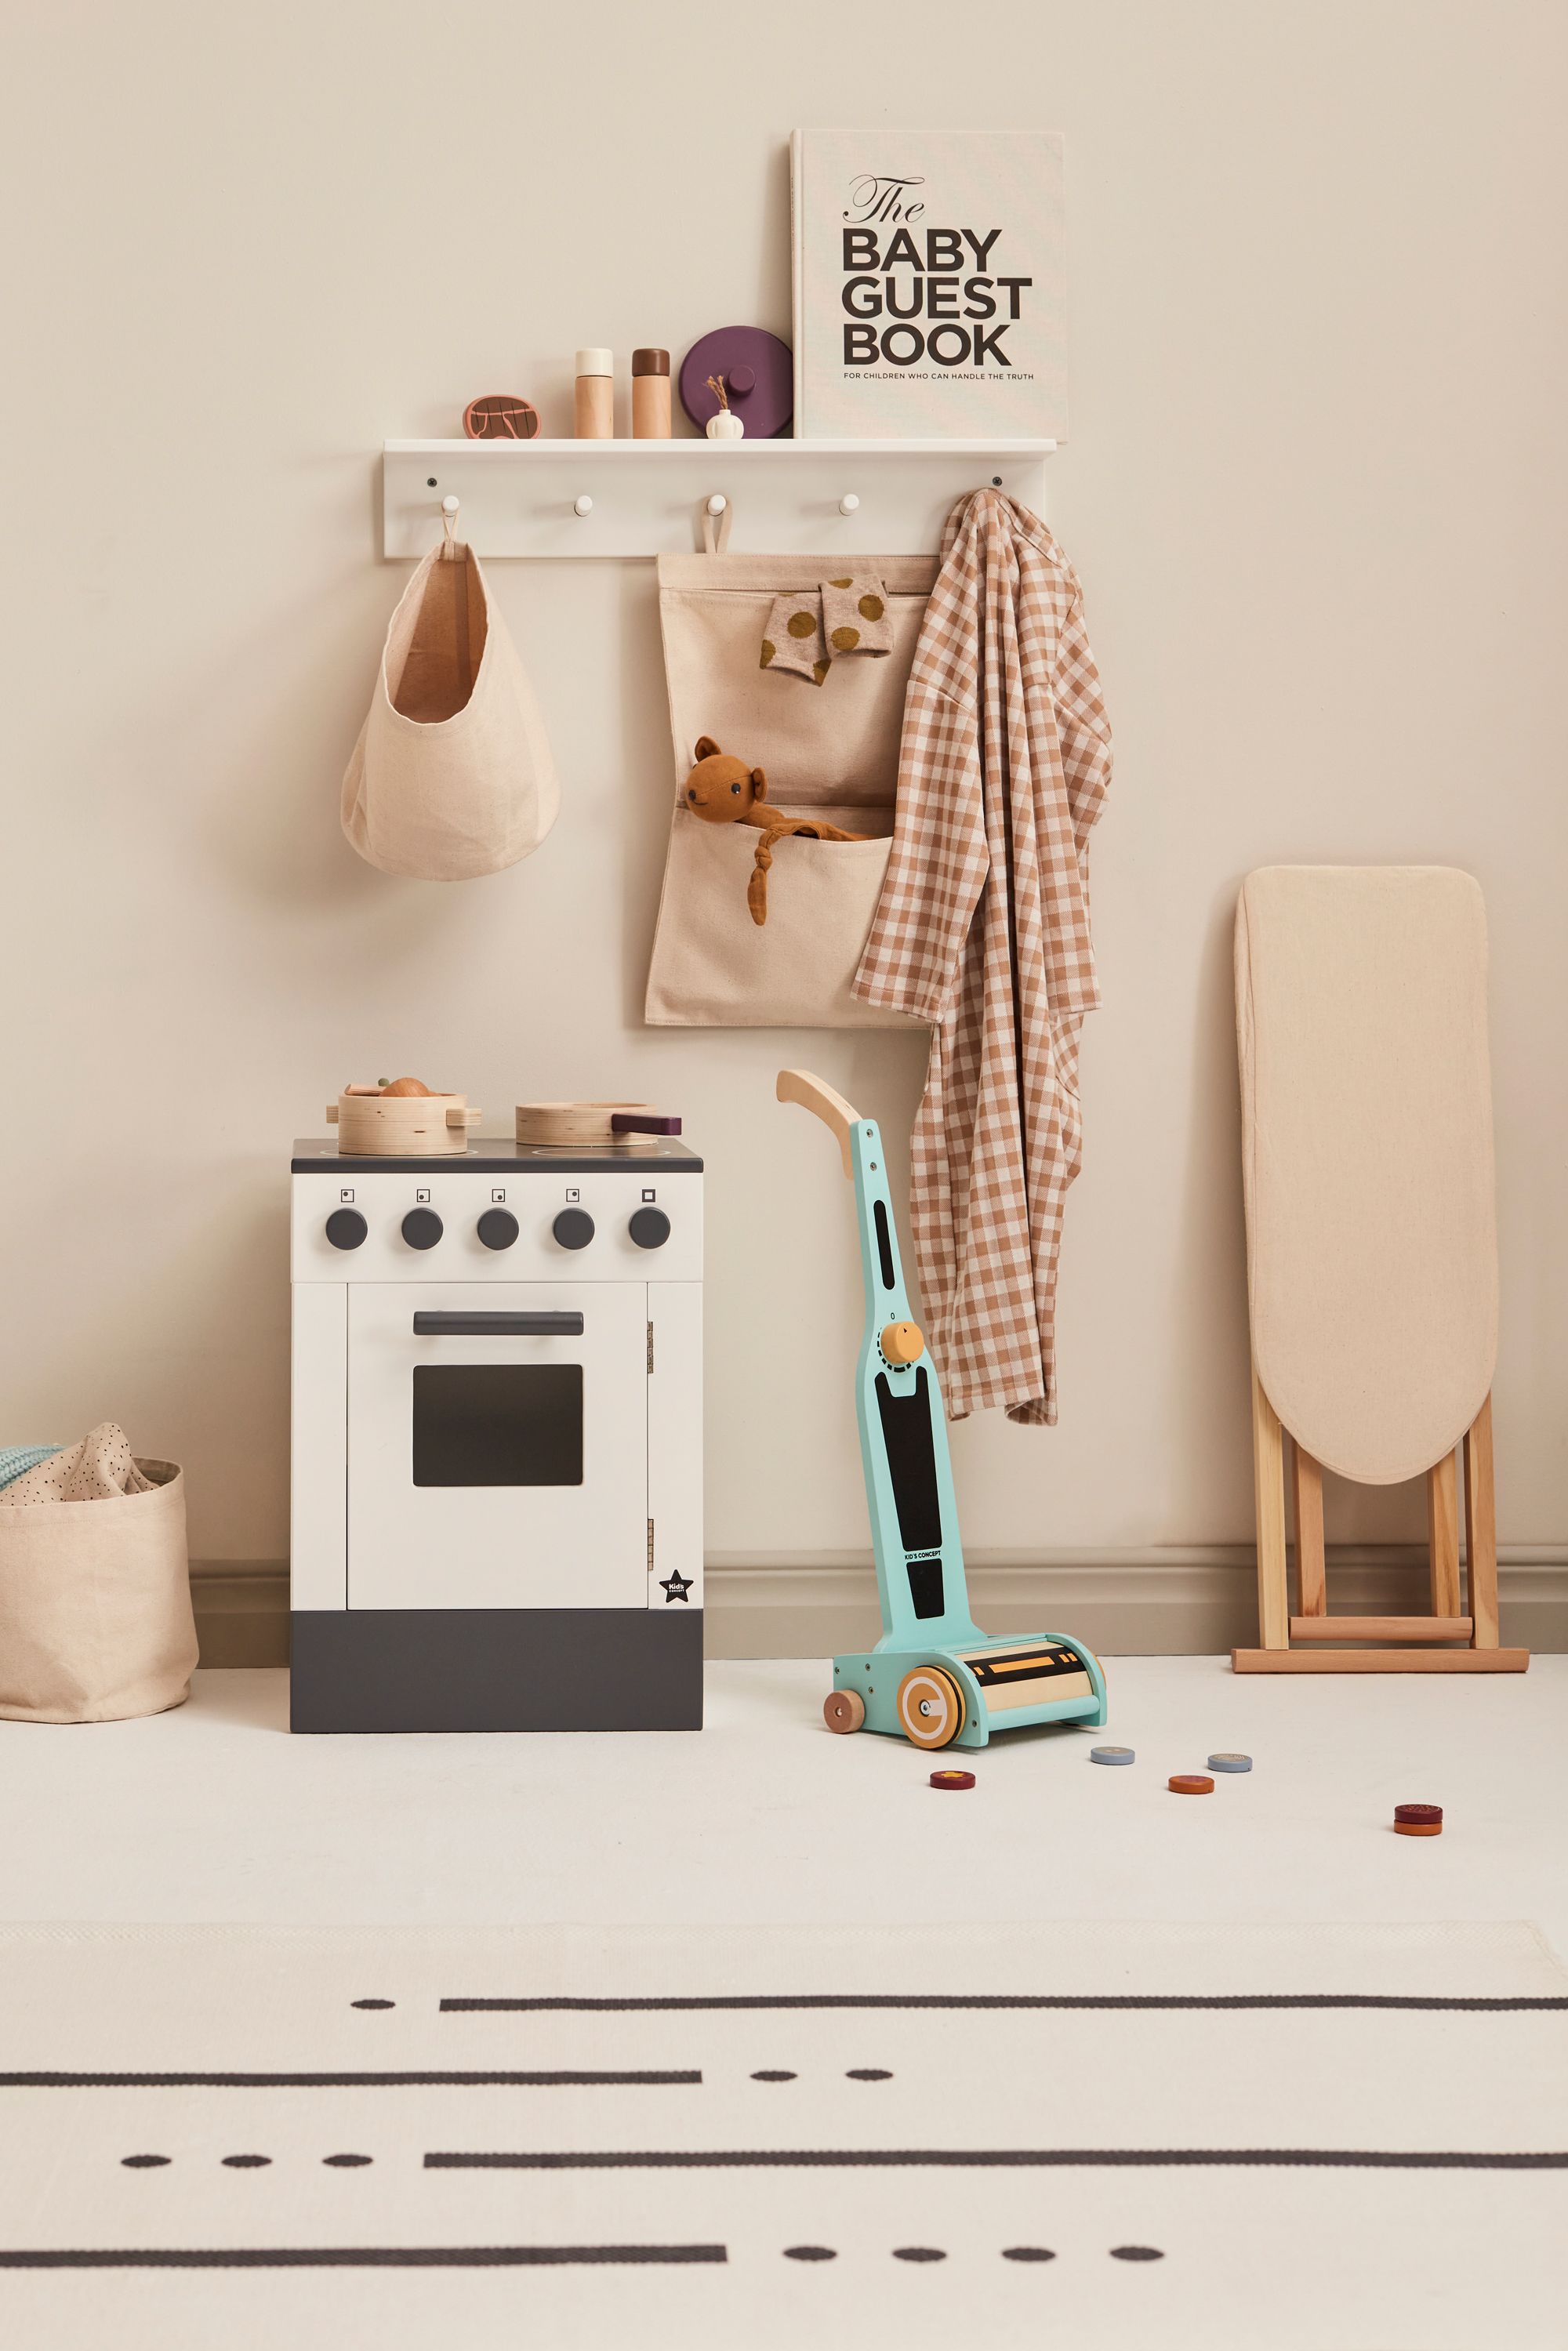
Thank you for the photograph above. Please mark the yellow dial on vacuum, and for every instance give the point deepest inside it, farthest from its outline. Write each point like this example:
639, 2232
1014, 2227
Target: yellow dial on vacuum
903, 1342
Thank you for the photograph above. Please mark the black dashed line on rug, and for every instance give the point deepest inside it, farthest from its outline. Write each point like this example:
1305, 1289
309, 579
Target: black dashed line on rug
359, 2078
346, 2162
247, 2162
976, 2159
868, 2073
1136, 2253
594, 2005
372, 2003
145, 2162
775, 2073
809, 2253
357, 2257
917, 2253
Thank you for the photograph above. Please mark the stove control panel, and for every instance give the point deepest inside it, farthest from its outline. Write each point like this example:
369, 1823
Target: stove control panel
359, 1225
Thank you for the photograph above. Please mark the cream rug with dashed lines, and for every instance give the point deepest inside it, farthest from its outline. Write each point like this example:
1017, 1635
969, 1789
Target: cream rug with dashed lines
1129, 2136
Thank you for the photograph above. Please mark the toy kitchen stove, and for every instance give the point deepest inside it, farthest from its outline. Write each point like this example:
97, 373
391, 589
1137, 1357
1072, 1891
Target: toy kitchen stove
497, 1519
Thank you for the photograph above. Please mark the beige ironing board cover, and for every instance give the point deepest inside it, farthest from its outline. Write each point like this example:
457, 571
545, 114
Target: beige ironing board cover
1367, 1155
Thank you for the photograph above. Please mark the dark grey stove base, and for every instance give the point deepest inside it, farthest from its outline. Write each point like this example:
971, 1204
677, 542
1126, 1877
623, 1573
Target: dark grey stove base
496, 1669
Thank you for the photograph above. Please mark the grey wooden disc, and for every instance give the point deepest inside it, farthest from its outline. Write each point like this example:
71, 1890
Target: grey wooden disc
1111, 1755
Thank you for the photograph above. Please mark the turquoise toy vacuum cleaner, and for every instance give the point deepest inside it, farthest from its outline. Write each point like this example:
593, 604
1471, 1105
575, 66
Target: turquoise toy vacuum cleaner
934, 1675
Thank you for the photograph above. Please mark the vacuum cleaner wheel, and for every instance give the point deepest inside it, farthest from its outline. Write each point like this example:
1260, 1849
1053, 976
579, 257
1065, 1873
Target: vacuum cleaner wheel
930, 1710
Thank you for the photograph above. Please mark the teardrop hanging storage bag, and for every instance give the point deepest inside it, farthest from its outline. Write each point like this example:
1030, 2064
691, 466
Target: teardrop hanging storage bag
452, 776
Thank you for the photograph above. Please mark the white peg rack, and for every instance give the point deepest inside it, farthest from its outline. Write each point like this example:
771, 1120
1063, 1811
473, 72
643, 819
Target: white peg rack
645, 499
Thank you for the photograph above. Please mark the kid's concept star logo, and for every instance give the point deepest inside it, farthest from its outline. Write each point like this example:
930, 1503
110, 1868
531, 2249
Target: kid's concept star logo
675, 1587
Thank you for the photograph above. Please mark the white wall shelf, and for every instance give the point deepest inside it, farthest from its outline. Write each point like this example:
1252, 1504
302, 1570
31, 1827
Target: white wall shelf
643, 498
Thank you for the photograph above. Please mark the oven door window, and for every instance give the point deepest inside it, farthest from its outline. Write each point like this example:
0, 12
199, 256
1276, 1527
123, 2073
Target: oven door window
498, 1424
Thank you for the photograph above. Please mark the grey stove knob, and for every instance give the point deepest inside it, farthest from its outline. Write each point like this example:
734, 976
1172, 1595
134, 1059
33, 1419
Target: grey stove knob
346, 1228
573, 1228
421, 1229
498, 1228
649, 1228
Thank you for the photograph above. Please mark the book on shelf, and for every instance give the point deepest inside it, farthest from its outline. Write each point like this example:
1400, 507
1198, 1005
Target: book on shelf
930, 289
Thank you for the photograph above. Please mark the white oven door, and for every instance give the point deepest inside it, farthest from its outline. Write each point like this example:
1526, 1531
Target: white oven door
497, 1444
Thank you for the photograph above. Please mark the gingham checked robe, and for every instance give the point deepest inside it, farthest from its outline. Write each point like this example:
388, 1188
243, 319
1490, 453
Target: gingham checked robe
982, 928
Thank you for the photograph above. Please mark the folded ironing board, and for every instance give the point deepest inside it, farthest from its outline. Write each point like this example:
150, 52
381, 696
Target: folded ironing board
1361, 1018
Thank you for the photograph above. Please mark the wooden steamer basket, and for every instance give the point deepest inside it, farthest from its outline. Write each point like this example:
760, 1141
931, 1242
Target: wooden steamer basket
373, 1126
588, 1125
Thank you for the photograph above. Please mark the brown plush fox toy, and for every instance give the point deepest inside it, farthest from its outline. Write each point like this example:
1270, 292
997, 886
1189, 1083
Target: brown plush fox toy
722, 789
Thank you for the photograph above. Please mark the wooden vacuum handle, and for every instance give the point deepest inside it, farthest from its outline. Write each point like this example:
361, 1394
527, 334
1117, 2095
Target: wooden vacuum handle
800, 1086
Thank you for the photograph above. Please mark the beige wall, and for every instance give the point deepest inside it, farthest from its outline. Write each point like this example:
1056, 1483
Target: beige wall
1314, 489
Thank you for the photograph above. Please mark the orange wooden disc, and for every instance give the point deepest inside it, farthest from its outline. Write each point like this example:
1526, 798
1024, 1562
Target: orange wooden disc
1190, 1783
1417, 1828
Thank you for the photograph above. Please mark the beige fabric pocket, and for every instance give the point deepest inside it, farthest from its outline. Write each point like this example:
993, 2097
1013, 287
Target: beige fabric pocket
95, 1604
831, 753
715, 968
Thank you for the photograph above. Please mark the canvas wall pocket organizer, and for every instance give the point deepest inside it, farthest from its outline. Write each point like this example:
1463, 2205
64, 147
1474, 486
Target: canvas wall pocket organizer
831, 754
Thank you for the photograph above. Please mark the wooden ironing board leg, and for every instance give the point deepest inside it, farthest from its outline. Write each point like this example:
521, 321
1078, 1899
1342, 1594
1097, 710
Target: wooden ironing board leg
1307, 1501
1269, 1483
1443, 1536
1481, 1529
1420, 1644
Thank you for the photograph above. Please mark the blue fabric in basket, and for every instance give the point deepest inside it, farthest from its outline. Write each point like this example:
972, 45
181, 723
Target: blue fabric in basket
15, 1460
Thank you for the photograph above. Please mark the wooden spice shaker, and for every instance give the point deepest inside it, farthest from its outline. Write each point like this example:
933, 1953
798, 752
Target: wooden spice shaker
650, 395
594, 401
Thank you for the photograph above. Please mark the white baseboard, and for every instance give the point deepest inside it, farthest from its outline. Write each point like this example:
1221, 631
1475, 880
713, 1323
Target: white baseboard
1176, 1601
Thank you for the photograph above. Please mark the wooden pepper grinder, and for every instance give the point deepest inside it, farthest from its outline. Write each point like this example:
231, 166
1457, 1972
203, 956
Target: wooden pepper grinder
650, 395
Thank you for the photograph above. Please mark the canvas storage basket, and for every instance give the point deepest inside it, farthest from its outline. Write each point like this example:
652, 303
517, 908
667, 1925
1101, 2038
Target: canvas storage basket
830, 751
452, 776
95, 1605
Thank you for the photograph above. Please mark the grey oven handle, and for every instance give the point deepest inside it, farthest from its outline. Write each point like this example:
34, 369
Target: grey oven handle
497, 1326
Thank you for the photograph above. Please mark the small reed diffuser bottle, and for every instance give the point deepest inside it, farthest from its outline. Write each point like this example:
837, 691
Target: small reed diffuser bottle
725, 425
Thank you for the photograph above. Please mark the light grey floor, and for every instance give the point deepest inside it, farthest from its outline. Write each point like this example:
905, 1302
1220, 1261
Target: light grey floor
213, 1813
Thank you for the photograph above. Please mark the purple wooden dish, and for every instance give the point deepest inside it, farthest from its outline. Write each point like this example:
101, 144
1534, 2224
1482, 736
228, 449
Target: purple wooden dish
759, 374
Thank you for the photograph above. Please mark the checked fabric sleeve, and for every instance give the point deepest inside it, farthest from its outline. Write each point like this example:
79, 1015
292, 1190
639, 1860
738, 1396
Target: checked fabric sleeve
982, 928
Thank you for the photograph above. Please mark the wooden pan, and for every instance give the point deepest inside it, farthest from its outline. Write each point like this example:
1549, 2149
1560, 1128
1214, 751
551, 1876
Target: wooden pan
373, 1126
590, 1125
